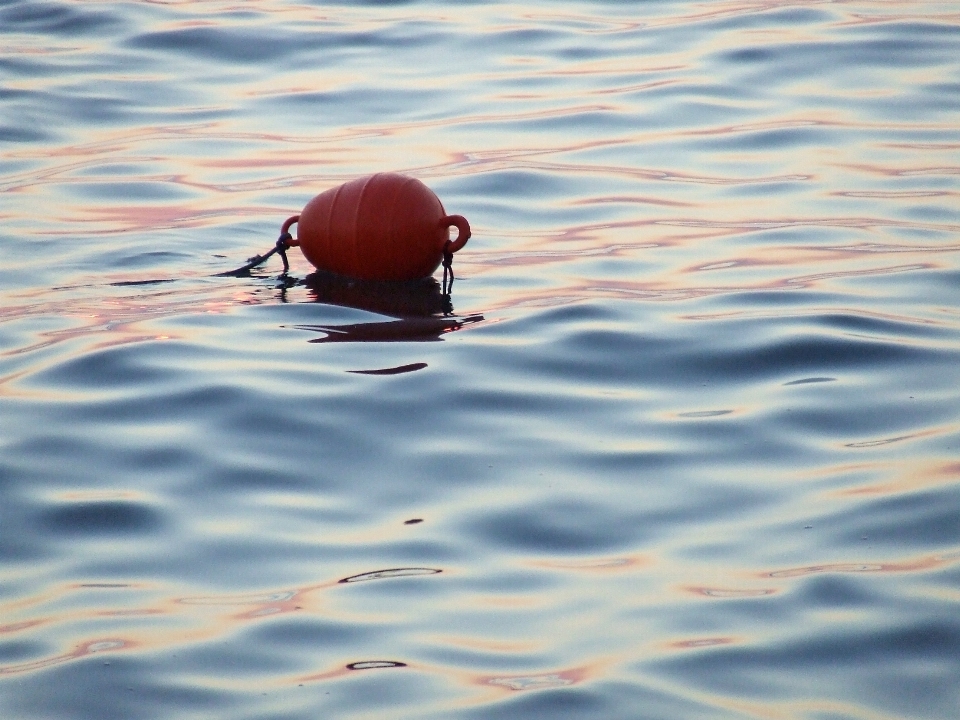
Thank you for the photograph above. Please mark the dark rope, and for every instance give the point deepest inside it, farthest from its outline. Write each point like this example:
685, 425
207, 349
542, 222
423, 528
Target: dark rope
283, 244
447, 271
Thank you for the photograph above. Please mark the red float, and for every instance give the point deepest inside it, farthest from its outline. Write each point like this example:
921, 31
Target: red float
380, 227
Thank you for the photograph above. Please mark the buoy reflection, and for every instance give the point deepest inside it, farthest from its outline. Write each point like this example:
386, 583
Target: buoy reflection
413, 298
421, 312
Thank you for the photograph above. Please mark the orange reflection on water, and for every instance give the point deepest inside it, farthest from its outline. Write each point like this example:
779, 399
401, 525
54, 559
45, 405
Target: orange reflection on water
19, 626
597, 565
879, 442
490, 645
631, 200
127, 218
80, 651
697, 643
915, 171
730, 593
109, 321
264, 604
491, 687
781, 709
895, 477
894, 194
911, 478
659, 289
206, 618
550, 678
494, 687
540, 681
929, 562
333, 673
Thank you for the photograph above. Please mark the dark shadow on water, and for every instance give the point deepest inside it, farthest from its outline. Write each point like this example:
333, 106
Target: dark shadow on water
390, 573
422, 312
414, 298
400, 370
128, 283
375, 665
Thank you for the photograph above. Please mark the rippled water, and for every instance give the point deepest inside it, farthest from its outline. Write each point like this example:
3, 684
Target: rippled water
686, 445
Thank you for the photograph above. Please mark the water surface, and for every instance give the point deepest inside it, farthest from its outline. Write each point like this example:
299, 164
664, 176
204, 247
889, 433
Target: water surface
684, 442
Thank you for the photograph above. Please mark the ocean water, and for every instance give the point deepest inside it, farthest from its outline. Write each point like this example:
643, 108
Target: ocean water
682, 442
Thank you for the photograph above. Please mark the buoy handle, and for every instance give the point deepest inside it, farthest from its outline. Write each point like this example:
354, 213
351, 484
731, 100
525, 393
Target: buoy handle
285, 230
463, 232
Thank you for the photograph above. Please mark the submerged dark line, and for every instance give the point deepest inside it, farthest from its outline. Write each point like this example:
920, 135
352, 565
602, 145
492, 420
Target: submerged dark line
400, 369
125, 283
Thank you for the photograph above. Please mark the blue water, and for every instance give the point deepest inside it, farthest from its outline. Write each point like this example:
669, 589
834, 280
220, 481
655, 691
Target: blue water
684, 441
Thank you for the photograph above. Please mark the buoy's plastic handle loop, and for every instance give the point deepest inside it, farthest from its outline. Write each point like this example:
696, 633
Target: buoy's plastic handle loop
463, 232
285, 230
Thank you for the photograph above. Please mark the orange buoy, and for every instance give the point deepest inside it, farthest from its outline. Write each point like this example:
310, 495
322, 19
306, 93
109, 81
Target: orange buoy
380, 227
